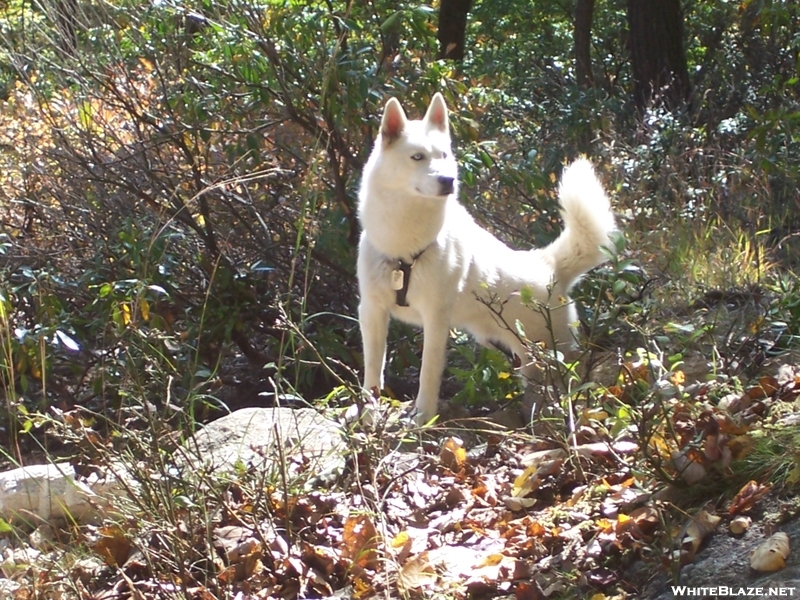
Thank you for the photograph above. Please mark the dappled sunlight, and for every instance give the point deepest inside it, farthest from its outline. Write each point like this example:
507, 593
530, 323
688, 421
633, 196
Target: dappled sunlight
178, 237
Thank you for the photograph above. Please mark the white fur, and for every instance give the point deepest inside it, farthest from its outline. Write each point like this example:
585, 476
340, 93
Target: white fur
406, 206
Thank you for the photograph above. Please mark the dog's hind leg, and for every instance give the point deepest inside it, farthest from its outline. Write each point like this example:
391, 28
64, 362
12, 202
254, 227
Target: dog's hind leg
374, 322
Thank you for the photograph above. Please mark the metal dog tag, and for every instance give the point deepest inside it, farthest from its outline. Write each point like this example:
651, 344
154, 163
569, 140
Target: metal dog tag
397, 279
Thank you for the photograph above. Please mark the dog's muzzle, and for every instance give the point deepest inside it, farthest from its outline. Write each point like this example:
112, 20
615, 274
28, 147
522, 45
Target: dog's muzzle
446, 185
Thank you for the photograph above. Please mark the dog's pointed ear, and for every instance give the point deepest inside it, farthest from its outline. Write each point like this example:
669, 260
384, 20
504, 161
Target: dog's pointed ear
437, 116
394, 120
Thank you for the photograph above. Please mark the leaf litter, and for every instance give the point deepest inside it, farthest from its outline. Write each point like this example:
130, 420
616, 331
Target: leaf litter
500, 516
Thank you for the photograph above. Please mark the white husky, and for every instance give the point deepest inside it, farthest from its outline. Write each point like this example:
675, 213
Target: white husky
424, 260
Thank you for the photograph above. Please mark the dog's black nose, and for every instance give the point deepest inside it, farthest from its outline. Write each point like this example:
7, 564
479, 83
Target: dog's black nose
446, 186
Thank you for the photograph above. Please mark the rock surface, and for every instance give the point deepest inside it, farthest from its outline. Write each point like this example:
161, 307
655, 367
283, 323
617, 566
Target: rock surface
52, 491
265, 437
293, 440
725, 561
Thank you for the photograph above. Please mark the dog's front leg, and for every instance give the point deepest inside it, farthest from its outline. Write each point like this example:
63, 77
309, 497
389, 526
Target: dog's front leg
374, 322
434, 349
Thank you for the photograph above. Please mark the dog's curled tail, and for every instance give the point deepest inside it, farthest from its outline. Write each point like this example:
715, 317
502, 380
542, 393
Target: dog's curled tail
588, 222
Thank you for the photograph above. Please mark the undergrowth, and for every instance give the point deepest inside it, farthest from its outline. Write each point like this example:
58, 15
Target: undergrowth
179, 241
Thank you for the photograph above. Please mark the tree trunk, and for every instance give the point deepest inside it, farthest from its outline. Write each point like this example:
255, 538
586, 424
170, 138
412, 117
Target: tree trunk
657, 55
584, 9
453, 28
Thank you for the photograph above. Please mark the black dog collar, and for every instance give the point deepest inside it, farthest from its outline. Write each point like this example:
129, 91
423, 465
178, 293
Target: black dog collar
401, 276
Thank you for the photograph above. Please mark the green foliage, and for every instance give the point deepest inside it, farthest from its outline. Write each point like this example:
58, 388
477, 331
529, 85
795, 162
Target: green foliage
773, 457
191, 170
179, 230
486, 376
613, 299
783, 313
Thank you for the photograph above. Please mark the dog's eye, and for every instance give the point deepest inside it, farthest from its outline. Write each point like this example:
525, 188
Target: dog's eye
417, 156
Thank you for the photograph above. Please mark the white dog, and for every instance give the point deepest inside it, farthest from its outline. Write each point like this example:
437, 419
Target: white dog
424, 260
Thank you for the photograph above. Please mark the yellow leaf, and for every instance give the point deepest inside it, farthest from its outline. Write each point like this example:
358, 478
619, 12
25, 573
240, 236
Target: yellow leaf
678, 377
756, 325
85, 115
126, 313
605, 525
400, 539
523, 483
361, 588
453, 454
593, 414
490, 561
144, 306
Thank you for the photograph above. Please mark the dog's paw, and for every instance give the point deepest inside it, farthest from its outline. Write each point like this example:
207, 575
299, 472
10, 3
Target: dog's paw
426, 410
425, 418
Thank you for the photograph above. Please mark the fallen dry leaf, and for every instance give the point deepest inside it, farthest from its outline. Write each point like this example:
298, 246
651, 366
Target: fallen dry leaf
601, 577
453, 455
517, 504
409, 542
236, 542
734, 403
747, 497
416, 573
362, 588
401, 539
766, 387
492, 560
360, 541
605, 449
771, 555
645, 520
696, 531
691, 471
593, 414
531, 478
113, 546
677, 377
534, 459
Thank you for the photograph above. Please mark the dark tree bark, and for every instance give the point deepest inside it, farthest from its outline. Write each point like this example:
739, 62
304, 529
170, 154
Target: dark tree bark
584, 9
453, 28
658, 58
